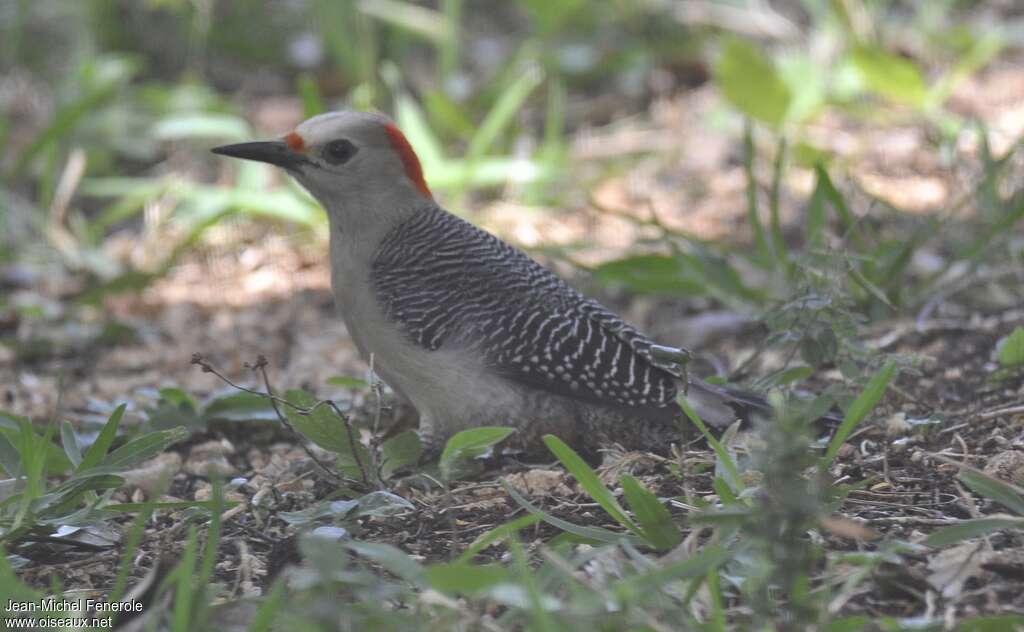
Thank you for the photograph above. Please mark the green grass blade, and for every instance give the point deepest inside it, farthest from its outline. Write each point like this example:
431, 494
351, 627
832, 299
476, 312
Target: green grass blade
498, 533
709, 558
994, 489
724, 458
269, 607
542, 619
590, 482
99, 448
774, 202
131, 545
859, 409
753, 215
183, 594
70, 443
144, 447
592, 534
973, 529
309, 92
654, 519
501, 114
718, 620
64, 122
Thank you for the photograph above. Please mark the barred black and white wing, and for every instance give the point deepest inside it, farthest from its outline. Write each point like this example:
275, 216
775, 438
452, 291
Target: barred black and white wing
447, 283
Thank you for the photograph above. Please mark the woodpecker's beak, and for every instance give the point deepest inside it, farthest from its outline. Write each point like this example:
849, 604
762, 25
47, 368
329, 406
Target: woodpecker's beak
273, 152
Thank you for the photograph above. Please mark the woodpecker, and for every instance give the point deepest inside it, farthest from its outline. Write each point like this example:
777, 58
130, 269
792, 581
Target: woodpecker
467, 328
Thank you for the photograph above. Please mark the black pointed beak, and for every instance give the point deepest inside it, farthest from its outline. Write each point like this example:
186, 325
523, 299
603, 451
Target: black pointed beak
273, 152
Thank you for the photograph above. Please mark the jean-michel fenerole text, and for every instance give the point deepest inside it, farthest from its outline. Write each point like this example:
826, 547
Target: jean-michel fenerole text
59, 605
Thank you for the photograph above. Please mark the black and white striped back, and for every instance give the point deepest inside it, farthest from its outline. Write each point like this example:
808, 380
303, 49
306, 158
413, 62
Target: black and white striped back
446, 283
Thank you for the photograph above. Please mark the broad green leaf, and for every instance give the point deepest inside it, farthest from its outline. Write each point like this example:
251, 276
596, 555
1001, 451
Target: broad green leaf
1011, 348
973, 529
465, 578
178, 397
345, 381
750, 82
239, 407
648, 274
590, 482
994, 489
552, 16
70, 443
890, 75
469, 444
55, 506
144, 447
859, 409
328, 430
323, 426
792, 374
807, 81
99, 447
654, 519
400, 450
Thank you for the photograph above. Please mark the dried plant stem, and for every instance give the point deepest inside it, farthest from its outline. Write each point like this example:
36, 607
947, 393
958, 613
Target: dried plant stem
276, 402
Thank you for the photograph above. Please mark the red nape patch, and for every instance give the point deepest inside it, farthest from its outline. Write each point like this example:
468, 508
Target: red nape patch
295, 142
412, 164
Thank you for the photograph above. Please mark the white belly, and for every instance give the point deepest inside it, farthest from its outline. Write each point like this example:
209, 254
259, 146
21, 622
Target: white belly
451, 388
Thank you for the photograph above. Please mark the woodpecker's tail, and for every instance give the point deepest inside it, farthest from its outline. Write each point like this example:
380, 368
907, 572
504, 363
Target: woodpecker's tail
720, 405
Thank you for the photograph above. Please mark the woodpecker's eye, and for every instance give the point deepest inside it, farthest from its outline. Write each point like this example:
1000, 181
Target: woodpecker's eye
339, 151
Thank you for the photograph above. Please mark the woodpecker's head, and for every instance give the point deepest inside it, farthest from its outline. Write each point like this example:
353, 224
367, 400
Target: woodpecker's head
356, 164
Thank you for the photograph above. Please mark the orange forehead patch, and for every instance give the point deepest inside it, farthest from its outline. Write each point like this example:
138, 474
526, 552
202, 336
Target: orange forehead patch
413, 169
295, 142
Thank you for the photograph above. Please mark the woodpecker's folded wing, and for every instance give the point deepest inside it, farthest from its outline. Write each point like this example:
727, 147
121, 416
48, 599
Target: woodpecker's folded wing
445, 282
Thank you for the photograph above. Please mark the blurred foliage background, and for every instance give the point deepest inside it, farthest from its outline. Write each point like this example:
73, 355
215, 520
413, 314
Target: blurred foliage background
107, 106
